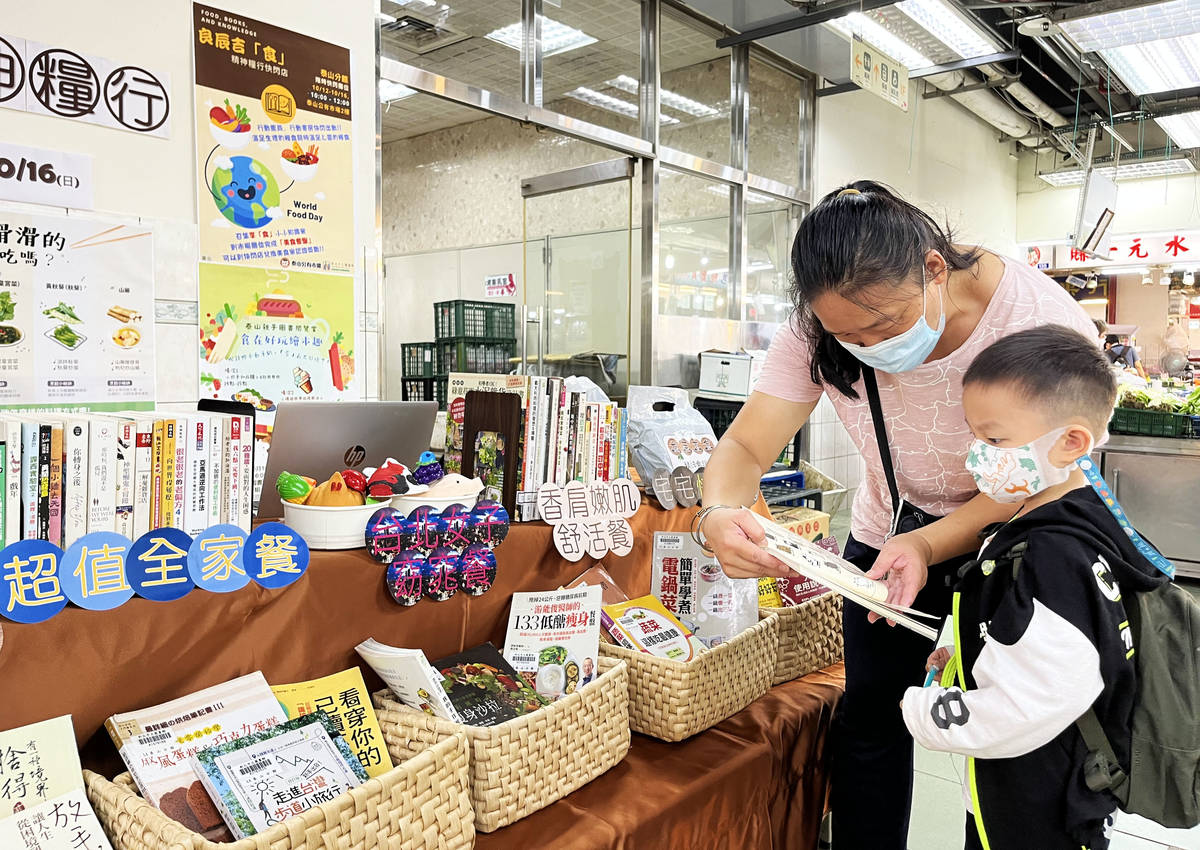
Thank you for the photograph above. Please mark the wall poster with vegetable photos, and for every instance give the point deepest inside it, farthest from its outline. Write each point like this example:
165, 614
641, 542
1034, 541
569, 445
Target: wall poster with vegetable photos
76, 313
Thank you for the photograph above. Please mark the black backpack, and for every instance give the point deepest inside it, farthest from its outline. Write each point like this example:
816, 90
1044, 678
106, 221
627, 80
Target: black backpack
1163, 780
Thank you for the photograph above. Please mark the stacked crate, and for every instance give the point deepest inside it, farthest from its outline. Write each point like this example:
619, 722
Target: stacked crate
469, 336
421, 381
473, 336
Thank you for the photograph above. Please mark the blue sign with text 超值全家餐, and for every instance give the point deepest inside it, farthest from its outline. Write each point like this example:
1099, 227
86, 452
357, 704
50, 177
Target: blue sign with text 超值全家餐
92, 571
30, 590
157, 565
275, 555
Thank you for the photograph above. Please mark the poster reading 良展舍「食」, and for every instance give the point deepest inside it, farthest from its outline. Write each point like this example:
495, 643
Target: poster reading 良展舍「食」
273, 145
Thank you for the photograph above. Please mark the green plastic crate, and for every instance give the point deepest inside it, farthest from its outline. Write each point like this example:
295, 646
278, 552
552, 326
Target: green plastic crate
424, 389
418, 359
453, 319
481, 354
1150, 423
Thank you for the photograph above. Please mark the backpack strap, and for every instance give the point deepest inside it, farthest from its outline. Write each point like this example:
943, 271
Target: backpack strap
1101, 769
881, 439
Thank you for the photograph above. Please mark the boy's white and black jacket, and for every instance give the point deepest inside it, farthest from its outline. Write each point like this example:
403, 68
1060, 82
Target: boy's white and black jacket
1035, 652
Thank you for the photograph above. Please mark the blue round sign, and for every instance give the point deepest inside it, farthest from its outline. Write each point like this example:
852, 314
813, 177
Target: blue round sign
215, 559
404, 578
92, 571
275, 555
30, 590
476, 570
157, 565
440, 574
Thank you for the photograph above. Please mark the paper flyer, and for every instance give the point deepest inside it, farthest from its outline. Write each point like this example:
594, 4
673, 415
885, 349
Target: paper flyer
273, 145
76, 313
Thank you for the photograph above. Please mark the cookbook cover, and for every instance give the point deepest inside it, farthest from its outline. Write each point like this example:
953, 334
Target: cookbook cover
553, 638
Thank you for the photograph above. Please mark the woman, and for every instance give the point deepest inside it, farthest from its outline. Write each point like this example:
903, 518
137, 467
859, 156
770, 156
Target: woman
879, 284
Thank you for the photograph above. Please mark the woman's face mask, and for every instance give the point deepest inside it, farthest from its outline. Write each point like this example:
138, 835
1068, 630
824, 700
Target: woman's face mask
907, 350
1016, 474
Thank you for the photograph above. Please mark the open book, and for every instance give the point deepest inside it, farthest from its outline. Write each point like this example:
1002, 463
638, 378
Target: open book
839, 575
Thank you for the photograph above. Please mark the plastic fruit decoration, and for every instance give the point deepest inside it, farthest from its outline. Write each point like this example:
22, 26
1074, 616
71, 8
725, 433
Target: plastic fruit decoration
355, 480
294, 488
334, 494
390, 479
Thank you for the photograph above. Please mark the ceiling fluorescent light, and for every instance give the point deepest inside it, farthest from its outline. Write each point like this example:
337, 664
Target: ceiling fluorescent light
669, 98
607, 102
950, 27
1129, 171
870, 31
1157, 66
556, 38
1137, 25
390, 90
1184, 129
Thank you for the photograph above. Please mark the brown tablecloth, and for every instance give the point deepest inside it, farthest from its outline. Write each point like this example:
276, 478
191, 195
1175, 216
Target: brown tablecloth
761, 773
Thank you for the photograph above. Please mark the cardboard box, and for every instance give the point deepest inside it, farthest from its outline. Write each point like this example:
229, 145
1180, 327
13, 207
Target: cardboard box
808, 523
729, 375
812, 525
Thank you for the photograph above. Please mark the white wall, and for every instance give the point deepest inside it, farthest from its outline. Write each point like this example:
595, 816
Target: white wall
935, 155
1154, 205
155, 179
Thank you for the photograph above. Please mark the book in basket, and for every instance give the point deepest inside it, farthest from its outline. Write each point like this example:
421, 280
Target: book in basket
644, 625
409, 675
485, 689
156, 743
265, 778
42, 802
611, 592
343, 696
553, 638
812, 561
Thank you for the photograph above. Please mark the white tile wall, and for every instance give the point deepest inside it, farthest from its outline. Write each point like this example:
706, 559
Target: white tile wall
177, 366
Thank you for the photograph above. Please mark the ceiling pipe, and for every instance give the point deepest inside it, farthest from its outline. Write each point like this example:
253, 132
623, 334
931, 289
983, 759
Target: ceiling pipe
987, 105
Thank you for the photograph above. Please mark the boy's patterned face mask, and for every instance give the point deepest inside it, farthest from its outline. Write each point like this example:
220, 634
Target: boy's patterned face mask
1016, 474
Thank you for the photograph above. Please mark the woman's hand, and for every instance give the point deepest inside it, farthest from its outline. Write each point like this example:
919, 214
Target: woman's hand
903, 563
736, 538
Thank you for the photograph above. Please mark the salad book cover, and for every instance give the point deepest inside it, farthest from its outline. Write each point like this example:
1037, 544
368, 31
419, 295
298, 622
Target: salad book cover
484, 688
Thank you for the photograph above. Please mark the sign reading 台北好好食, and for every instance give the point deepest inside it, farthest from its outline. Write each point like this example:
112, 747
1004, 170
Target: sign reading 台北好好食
875, 71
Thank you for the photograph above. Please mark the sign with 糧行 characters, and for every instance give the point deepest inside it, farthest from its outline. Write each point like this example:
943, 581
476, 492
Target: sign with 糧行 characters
51, 80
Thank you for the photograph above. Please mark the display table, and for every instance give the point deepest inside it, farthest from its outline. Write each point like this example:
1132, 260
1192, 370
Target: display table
761, 773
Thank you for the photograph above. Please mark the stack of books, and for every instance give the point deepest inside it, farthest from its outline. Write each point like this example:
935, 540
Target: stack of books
64, 476
563, 438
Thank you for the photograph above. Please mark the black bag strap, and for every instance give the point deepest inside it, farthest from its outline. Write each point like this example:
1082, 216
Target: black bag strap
885, 453
1101, 770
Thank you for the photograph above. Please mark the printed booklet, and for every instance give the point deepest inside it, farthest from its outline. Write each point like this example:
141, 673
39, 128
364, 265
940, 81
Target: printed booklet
814, 562
553, 638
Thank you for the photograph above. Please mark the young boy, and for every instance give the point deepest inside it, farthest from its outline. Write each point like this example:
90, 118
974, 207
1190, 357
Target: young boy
1034, 651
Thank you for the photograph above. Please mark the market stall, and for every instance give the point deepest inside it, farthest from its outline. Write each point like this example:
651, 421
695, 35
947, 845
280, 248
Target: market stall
762, 772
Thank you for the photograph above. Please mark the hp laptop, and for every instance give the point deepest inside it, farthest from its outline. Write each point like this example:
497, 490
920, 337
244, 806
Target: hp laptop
320, 439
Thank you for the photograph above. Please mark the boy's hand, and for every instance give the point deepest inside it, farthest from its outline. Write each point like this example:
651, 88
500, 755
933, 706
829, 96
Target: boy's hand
939, 658
903, 563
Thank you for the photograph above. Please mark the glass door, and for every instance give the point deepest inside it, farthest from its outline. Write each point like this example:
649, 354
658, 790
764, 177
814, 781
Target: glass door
579, 271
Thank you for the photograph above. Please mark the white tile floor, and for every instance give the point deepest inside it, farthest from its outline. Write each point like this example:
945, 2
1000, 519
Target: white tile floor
938, 815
